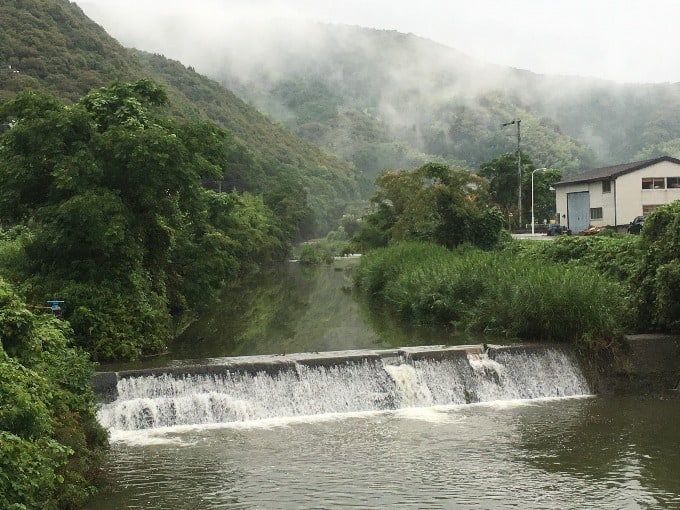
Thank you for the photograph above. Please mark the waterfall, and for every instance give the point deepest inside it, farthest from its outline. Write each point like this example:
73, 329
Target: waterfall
244, 389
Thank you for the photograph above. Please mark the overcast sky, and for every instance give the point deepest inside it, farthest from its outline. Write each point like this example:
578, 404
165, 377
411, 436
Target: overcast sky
621, 40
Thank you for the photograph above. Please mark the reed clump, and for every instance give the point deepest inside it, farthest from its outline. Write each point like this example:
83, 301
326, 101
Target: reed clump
496, 292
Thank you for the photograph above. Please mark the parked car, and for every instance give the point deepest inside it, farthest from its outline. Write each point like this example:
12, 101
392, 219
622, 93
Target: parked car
636, 225
556, 230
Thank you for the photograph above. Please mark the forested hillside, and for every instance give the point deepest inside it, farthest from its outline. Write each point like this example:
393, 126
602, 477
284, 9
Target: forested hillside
383, 99
51, 46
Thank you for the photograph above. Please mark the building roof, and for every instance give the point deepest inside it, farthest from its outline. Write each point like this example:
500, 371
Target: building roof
612, 172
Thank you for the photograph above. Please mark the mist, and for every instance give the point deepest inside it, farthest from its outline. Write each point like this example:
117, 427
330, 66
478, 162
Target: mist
390, 83
627, 41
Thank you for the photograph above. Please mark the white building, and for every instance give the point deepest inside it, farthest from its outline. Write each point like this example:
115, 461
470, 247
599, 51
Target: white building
614, 195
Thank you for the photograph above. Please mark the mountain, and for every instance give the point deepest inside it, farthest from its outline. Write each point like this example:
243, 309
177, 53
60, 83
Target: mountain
381, 98
51, 46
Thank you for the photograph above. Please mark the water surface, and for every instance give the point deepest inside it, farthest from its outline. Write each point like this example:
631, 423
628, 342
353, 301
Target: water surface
563, 454
293, 308
569, 453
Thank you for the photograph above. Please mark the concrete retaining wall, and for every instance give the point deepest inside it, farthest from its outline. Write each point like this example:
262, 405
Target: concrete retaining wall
645, 364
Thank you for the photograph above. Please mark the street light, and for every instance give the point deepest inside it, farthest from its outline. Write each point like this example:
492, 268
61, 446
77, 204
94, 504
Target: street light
532, 196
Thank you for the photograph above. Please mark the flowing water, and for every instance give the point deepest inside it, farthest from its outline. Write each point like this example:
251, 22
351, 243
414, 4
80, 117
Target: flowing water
471, 426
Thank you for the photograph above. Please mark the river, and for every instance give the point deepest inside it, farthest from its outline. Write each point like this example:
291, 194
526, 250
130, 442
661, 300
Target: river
573, 451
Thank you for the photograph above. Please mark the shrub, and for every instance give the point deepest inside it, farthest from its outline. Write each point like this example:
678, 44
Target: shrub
314, 255
617, 256
657, 282
493, 292
50, 442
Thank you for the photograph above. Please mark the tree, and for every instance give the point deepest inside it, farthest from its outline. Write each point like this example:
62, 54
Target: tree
503, 181
433, 203
112, 193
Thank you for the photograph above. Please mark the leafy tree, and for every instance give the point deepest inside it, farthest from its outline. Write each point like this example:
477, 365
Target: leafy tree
434, 203
503, 181
658, 149
122, 227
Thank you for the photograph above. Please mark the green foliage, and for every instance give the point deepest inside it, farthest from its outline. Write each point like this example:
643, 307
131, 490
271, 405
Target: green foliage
51, 47
23, 411
117, 319
381, 266
374, 230
314, 255
493, 292
309, 186
503, 181
615, 255
658, 149
120, 224
50, 442
433, 203
658, 278
647, 266
28, 472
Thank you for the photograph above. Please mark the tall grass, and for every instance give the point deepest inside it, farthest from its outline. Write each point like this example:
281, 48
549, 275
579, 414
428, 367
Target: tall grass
494, 292
617, 256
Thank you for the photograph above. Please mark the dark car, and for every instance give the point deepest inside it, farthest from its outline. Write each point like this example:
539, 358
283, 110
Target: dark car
556, 230
636, 225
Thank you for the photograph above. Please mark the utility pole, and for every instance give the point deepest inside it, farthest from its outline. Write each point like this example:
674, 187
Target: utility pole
519, 170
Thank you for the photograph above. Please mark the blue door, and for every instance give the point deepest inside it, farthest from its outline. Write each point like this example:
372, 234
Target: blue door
578, 211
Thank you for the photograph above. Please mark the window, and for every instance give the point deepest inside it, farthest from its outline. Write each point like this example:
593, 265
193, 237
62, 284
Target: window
606, 186
672, 182
653, 183
646, 209
596, 213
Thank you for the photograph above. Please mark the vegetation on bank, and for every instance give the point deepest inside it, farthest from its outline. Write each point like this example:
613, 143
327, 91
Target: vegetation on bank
434, 203
587, 290
51, 445
493, 292
104, 207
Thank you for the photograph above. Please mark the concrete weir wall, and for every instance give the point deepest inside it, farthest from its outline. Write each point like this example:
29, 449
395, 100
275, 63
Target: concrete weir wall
105, 383
646, 363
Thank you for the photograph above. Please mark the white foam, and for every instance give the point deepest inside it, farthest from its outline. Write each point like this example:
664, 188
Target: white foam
174, 435
306, 393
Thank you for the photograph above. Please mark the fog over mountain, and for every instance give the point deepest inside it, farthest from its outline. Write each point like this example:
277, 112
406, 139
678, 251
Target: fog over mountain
383, 98
618, 40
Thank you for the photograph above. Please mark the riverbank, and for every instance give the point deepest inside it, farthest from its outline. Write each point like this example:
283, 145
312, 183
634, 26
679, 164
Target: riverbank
640, 364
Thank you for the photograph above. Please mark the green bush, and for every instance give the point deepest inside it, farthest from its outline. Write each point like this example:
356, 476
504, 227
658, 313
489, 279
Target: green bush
28, 472
314, 255
50, 442
657, 282
615, 255
433, 203
493, 292
110, 213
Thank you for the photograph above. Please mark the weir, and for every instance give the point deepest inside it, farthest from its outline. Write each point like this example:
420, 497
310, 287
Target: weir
260, 387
